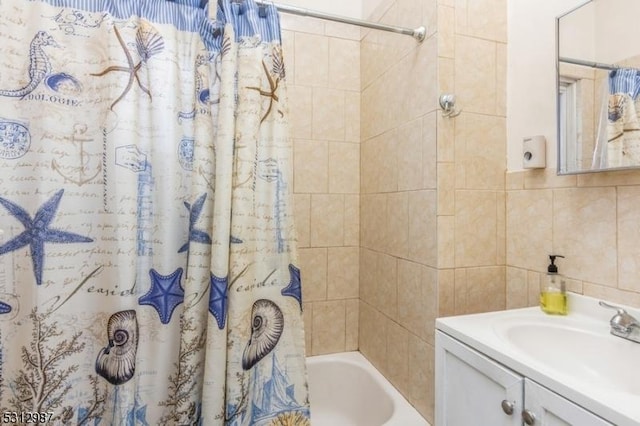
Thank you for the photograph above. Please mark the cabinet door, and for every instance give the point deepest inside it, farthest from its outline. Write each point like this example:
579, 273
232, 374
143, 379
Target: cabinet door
471, 388
550, 409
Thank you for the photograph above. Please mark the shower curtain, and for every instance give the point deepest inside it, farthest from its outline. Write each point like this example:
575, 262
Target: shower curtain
618, 136
148, 267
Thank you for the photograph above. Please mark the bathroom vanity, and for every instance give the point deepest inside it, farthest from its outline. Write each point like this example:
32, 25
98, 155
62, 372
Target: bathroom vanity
525, 367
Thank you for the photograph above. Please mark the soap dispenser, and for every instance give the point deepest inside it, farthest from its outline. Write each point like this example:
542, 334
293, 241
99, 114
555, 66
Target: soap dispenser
553, 291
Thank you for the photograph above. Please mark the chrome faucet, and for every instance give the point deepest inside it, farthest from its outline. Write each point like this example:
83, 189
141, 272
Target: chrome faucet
623, 324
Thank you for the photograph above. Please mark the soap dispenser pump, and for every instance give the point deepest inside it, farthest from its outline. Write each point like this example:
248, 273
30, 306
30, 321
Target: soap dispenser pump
553, 291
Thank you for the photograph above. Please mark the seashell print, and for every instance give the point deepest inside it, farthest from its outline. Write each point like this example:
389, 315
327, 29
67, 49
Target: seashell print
267, 323
148, 41
117, 362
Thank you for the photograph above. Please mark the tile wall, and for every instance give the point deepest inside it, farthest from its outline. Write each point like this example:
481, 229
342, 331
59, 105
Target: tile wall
323, 79
432, 188
400, 212
591, 219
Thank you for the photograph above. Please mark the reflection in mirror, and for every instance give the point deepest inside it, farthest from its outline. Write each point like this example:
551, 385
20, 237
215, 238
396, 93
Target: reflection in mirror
598, 82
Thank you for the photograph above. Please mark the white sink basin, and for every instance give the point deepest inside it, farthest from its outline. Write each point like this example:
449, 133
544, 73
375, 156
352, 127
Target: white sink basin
604, 360
574, 356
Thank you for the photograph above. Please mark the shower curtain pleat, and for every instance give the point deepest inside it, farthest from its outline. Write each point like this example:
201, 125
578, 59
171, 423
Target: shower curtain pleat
148, 261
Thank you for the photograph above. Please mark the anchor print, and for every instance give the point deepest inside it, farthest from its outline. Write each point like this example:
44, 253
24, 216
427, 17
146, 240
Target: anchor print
148, 43
81, 173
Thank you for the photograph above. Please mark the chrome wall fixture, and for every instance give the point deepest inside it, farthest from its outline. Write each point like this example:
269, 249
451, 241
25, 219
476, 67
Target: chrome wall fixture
448, 105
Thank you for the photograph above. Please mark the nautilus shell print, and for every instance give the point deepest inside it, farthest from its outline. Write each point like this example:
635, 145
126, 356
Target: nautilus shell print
117, 362
267, 323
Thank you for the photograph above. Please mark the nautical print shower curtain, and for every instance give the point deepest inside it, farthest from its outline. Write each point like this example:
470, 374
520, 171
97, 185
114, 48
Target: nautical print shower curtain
618, 143
148, 269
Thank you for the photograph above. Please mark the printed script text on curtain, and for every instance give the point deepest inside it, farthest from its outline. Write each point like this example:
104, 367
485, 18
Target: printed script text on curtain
148, 270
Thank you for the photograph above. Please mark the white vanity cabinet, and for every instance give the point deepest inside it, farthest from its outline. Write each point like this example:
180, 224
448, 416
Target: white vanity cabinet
472, 389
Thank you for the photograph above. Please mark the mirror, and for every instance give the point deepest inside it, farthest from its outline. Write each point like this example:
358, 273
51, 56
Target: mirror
598, 87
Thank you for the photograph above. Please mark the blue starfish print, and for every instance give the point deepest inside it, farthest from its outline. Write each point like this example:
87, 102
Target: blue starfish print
5, 308
37, 232
195, 234
165, 294
294, 289
218, 299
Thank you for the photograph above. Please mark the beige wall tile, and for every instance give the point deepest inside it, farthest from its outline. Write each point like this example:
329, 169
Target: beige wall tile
288, 49
446, 188
344, 168
475, 228
307, 312
300, 111
475, 74
534, 280
327, 220
460, 291
530, 228
344, 64
412, 316
481, 151
373, 220
313, 273
517, 290
398, 356
352, 322
312, 60
613, 295
302, 217
446, 232
482, 18
446, 31
329, 329
352, 116
386, 297
628, 237
301, 24
311, 168
343, 273
580, 234
501, 238
410, 158
422, 377
446, 292
485, 289
429, 151
352, 220
398, 210
429, 296
328, 120
340, 30
373, 336
423, 241
367, 274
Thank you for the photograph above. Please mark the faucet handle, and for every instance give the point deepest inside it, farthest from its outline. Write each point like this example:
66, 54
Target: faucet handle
609, 306
622, 321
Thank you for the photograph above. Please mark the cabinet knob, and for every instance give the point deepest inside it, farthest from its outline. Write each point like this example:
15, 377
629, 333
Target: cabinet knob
507, 407
528, 417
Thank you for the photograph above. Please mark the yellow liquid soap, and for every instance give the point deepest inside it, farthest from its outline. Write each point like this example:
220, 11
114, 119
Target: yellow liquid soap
554, 303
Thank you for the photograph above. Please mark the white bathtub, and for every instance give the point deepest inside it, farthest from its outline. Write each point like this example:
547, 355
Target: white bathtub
346, 390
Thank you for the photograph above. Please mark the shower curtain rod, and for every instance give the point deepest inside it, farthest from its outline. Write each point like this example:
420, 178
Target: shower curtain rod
419, 33
598, 65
